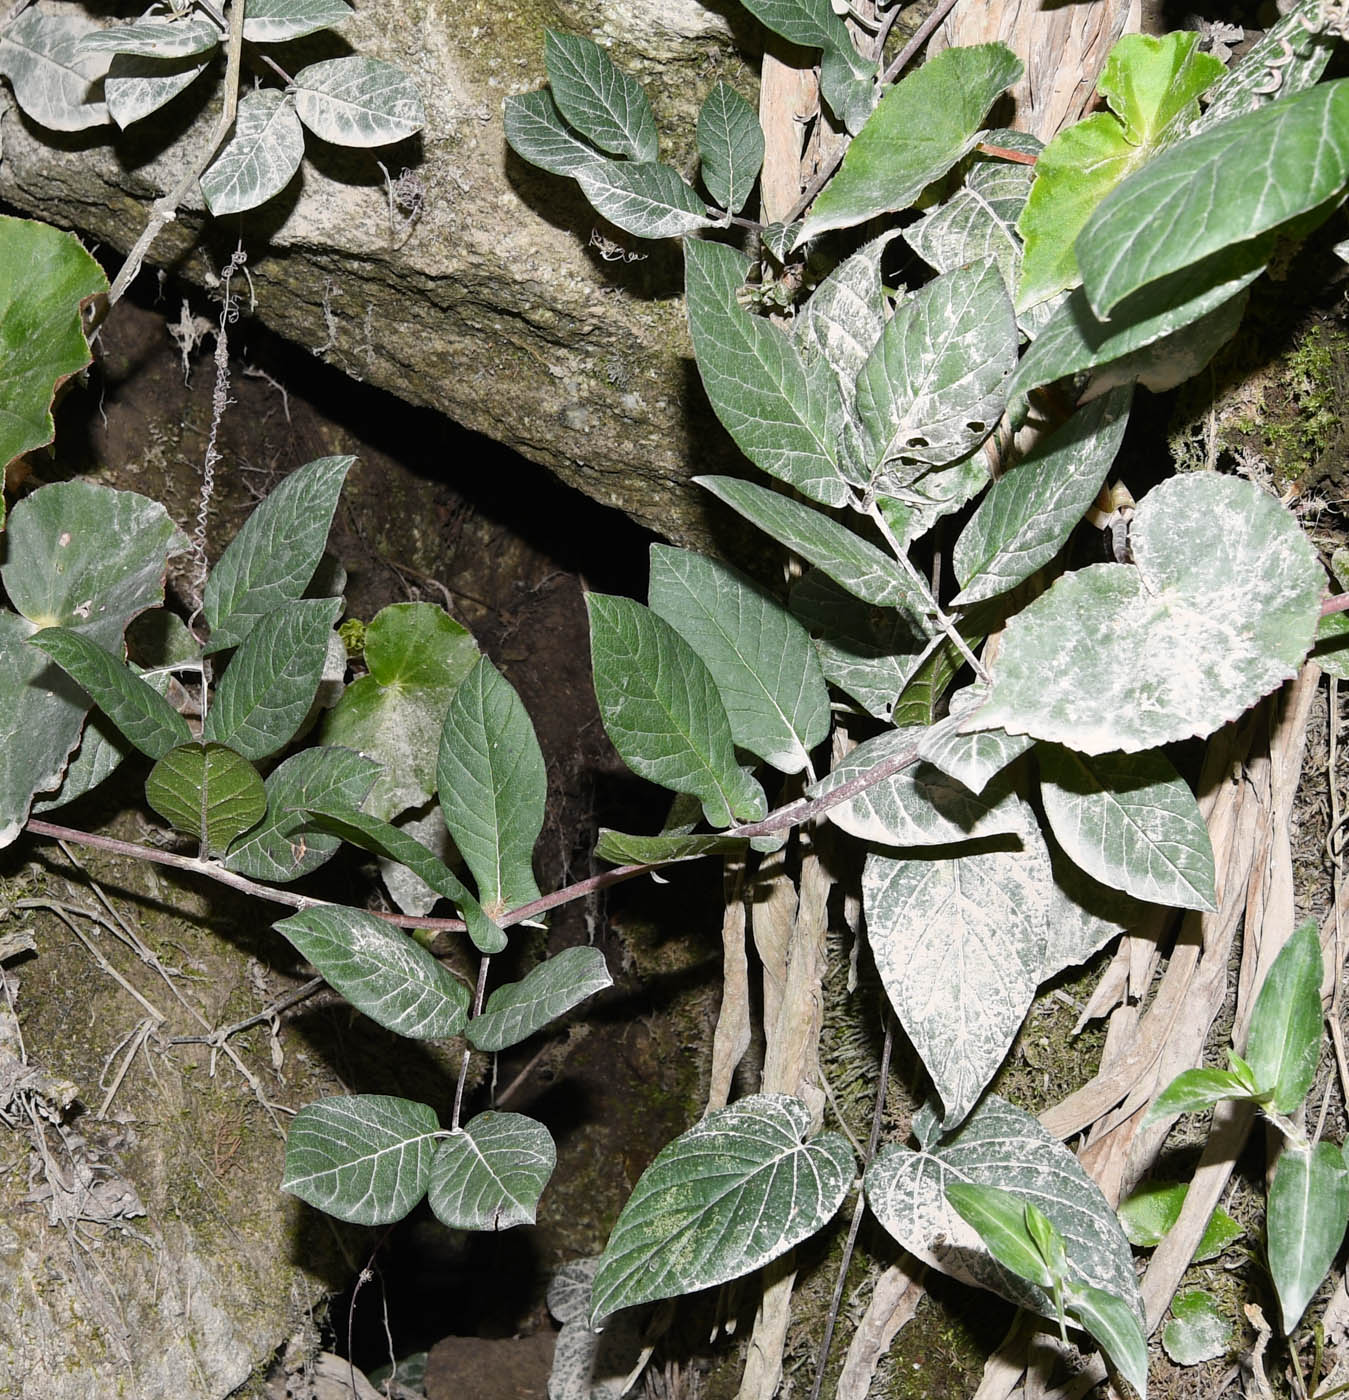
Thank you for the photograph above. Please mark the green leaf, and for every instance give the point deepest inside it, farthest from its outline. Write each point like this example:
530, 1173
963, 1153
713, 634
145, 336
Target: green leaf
811, 24
1308, 1208
933, 388
261, 156
1000, 1219
135, 86
489, 1174
1131, 822
847, 558
644, 197
870, 653
155, 38
1150, 1212
760, 657
493, 787
209, 792
1220, 609
920, 700
1030, 511
380, 970
958, 941
273, 557
1198, 1331
1283, 1043
1115, 1327
971, 759
923, 125
622, 849
598, 98
782, 409
919, 805
271, 681
661, 710
514, 1012
1194, 1090
389, 841
275, 21
733, 1193
1152, 85
1166, 216
844, 316
45, 279
138, 710
54, 77
417, 655
365, 1158
537, 133
1083, 917
730, 147
286, 844
358, 101
1003, 1146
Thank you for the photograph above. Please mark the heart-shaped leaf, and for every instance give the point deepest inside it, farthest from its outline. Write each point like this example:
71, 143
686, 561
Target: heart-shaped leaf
207, 791
490, 1174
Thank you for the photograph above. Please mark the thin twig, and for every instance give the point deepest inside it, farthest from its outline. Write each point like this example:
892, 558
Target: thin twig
468, 1054
274, 1008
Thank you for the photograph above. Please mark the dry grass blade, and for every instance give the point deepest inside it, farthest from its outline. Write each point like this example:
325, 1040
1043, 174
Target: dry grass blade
731, 1038
894, 1300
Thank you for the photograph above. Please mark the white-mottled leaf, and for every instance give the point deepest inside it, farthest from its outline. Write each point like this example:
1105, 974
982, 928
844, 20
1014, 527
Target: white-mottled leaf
514, 1012
730, 147
919, 805
734, 1192
643, 196
971, 759
358, 101
1003, 1146
1219, 609
1131, 822
781, 408
601, 101
260, 157
380, 970
1083, 916
847, 558
1198, 1331
760, 657
274, 21
490, 1174
844, 316
155, 38
52, 74
135, 86
660, 708
365, 1158
1030, 511
959, 942
933, 388
537, 133
493, 786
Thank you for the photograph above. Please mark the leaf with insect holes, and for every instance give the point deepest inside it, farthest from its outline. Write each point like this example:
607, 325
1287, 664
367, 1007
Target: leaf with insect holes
262, 155
272, 679
1131, 822
515, 1011
537, 132
1226, 186
365, 1158
643, 196
1283, 1042
661, 710
921, 128
54, 77
730, 147
733, 1193
493, 786
760, 657
490, 1174
1304, 1224
601, 101
273, 557
136, 86
207, 791
781, 407
380, 970
358, 101
275, 21
959, 941
1219, 608
138, 710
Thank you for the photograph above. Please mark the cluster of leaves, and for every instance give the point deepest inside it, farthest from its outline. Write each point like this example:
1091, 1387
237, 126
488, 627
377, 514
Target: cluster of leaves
68, 73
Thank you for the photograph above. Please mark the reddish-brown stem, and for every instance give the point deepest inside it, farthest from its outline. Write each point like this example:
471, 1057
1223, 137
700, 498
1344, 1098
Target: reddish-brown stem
1338, 602
1006, 153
